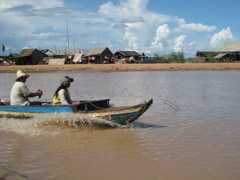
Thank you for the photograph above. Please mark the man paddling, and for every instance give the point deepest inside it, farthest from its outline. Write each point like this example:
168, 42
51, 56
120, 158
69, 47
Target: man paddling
20, 93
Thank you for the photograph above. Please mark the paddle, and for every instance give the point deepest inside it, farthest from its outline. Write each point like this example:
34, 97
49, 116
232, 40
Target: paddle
40, 94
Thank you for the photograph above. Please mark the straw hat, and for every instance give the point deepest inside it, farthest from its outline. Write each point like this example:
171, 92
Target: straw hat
21, 74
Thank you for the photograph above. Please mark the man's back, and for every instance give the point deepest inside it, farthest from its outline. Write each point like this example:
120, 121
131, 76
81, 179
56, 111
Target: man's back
19, 94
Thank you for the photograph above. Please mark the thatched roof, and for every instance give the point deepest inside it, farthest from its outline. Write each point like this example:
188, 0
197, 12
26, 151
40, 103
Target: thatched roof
235, 46
96, 51
99, 51
127, 53
220, 55
48, 52
26, 52
63, 52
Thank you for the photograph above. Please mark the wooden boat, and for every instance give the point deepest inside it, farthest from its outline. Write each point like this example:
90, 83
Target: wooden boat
95, 108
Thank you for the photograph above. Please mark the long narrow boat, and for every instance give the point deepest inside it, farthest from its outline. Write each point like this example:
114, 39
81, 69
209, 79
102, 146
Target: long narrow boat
95, 108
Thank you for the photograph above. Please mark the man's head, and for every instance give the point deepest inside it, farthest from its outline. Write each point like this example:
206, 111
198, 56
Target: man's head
21, 76
66, 81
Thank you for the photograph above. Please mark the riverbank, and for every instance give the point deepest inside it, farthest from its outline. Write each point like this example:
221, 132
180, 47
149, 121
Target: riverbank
123, 67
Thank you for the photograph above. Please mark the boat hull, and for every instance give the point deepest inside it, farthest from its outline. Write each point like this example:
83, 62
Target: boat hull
120, 115
124, 115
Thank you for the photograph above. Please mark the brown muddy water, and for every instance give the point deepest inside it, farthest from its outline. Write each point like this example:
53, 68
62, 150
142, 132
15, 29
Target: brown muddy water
192, 130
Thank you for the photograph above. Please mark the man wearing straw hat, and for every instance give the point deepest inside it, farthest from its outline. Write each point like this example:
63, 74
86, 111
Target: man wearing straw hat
20, 93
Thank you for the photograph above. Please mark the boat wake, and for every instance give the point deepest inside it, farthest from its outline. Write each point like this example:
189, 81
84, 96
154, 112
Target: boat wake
54, 123
74, 120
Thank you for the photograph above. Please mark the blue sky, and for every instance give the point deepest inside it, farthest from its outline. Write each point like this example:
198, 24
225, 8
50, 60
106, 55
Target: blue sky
150, 26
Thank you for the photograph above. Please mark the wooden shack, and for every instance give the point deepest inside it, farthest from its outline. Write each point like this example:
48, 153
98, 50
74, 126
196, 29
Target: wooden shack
228, 52
99, 55
29, 57
129, 56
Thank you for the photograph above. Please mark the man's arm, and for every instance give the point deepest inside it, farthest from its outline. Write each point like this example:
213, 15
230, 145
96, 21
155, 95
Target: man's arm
33, 94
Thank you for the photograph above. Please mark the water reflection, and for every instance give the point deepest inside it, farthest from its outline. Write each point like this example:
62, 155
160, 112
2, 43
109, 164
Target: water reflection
146, 125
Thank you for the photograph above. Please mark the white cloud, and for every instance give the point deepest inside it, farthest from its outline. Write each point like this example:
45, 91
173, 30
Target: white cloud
195, 27
133, 20
221, 37
120, 25
135, 8
162, 33
128, 8
35, 3
179, 44
143, 29
124, 25
35, 23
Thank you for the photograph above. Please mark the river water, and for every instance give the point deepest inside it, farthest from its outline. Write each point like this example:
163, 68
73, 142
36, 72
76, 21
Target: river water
191, 131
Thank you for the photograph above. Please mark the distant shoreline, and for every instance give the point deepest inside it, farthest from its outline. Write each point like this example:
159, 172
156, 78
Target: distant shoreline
122, 67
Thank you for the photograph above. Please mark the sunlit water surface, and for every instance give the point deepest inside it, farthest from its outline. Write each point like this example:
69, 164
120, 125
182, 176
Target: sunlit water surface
191, 131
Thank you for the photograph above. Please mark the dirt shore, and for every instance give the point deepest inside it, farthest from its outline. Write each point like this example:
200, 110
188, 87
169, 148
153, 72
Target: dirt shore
123, 67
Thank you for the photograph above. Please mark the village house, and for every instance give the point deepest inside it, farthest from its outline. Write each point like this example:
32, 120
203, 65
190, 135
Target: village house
58, 56
127, 56
29, 57
99, 55
229, 52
